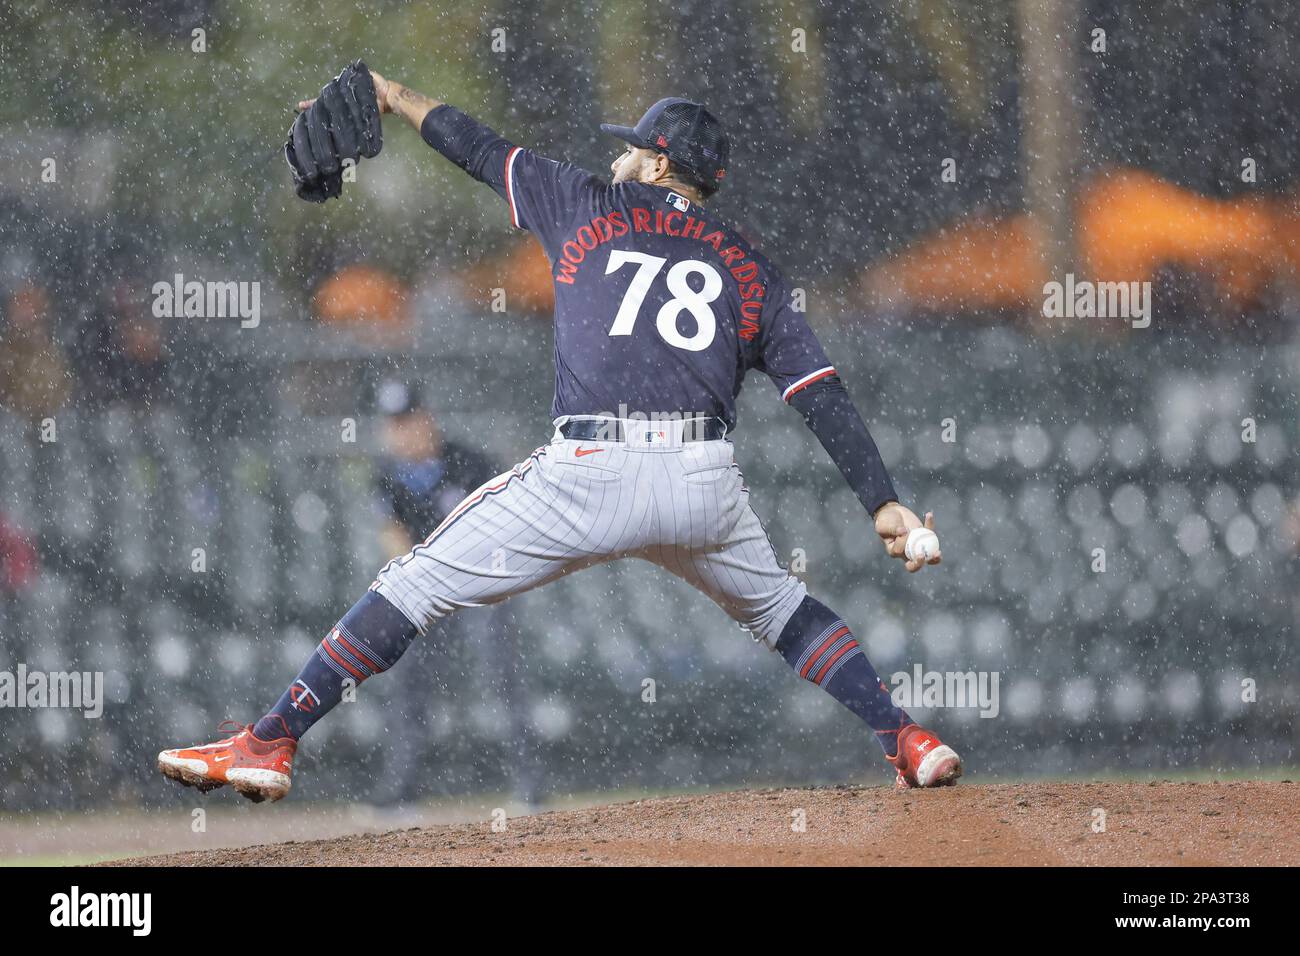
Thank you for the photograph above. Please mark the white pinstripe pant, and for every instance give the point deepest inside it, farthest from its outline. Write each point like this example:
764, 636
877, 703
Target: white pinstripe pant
573, 504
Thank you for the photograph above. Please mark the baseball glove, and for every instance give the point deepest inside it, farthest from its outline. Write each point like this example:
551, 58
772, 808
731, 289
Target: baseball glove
341, 125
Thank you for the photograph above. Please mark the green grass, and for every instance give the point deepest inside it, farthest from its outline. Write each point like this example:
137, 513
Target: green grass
55, 860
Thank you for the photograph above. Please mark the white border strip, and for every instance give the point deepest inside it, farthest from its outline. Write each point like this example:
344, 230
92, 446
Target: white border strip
510, 186
813, 376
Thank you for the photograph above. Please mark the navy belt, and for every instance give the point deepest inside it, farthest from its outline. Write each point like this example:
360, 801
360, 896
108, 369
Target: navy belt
612, 429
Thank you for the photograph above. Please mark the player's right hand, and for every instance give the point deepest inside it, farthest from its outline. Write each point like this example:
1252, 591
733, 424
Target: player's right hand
382, 87
893, 522
336, 129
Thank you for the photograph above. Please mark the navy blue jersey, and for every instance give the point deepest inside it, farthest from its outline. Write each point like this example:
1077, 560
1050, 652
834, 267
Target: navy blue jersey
660, 306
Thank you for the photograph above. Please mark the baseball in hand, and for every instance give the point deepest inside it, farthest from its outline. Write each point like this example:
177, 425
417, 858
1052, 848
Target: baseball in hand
922, 544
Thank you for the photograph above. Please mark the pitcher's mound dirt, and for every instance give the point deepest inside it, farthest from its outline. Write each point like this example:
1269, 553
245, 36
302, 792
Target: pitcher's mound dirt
1203, 824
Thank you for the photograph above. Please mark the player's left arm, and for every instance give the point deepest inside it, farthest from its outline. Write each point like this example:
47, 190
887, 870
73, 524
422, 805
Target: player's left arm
543, 194
395, 98
796, 362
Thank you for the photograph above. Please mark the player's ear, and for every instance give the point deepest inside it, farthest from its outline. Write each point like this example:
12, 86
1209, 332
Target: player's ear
661, 164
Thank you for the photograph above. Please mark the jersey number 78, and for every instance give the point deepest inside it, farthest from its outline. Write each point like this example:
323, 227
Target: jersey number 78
684, 298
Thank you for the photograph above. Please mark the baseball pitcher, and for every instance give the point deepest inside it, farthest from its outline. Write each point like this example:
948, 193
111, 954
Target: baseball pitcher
661, 308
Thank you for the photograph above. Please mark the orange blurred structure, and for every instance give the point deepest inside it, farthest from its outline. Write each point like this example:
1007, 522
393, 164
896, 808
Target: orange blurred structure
522, 270
362, 296
35, 381
1130, 224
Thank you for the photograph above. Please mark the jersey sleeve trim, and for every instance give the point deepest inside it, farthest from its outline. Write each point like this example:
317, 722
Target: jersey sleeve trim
807, 380
510, 186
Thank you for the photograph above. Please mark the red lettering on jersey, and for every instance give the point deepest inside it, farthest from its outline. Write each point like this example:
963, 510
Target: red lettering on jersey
746, 272
752, 290
573, 252
732, 254
748, 329
668, 223
588, 241
715, 240
693, 223
641, 219
620, 223
659, 221
604, 230
567, 271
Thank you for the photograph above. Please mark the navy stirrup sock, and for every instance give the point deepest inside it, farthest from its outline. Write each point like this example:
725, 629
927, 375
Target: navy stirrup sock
822, 649
369, 639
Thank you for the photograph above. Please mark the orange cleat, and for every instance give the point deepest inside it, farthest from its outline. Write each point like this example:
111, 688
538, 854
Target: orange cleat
924, 761
259, 769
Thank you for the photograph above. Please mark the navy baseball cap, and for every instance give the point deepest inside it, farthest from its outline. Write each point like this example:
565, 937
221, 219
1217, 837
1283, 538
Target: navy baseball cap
685, 132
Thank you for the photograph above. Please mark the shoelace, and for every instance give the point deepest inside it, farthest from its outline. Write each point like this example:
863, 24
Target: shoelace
230, 727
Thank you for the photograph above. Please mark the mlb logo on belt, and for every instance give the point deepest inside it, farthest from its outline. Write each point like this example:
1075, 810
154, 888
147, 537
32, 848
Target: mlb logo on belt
642, 436
680, 203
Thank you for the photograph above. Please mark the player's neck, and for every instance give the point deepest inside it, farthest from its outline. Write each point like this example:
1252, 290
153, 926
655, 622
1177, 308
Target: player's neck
681, 188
